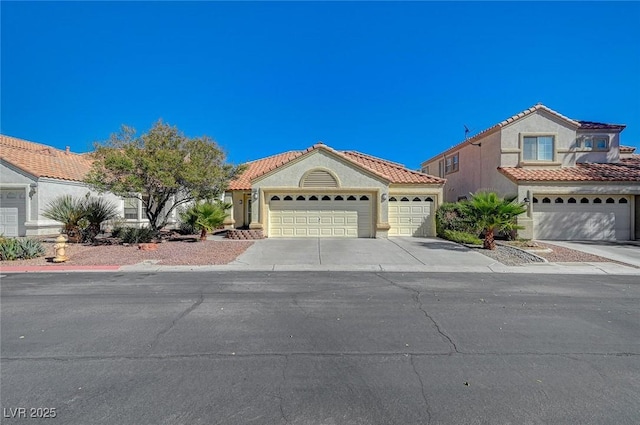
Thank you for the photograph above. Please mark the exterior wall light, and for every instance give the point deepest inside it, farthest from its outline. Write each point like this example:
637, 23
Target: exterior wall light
32, 189
384, 197
255, 195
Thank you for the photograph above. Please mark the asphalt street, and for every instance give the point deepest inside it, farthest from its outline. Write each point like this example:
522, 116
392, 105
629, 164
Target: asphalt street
319, 348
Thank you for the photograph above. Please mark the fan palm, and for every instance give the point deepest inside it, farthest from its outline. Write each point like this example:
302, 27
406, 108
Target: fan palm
494, 214
206, 216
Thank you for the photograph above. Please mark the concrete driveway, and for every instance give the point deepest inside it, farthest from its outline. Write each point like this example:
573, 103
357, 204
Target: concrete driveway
375, 254
623, 251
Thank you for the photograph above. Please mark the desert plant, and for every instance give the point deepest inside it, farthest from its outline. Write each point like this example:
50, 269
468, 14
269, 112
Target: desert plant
97, 211
134, 235
69, 211
19, 249
206, 216
461, 237
493, 214
454, 217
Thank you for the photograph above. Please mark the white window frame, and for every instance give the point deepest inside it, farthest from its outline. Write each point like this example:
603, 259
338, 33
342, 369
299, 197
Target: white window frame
523, 138
590, 143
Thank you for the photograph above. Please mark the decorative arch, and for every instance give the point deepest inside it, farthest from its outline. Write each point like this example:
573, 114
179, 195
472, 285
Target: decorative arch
319, 177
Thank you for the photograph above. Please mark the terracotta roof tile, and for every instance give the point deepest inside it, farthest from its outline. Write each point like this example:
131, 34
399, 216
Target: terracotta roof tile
391, 171
44, 161
627, 171
627, 149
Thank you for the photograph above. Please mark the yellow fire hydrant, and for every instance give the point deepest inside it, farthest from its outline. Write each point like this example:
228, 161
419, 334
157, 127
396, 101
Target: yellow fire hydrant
60, 247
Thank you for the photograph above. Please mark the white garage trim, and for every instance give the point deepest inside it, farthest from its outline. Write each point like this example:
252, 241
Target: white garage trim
320, 215
13, 212
581, 217
411, 215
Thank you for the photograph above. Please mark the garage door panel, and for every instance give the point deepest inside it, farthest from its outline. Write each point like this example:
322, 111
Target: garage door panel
410, 218
322, 218
582, 221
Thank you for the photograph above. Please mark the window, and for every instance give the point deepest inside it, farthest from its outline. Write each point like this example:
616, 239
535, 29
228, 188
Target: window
572, 200
426, 170
440, 168
338, 198
429, 199
537, 148
451, 164
300, 198
584, 201
622, 201
559, 201
597, 201
610, 201
133, 208
601, 143
326, 198
288, 198
595, 143
364, 198
275, 198
546, 201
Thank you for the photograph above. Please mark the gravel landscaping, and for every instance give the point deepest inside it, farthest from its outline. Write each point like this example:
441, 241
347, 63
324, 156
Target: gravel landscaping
172, 253
511, 256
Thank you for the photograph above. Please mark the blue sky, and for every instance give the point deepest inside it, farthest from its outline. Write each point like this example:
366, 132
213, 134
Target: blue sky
396, 80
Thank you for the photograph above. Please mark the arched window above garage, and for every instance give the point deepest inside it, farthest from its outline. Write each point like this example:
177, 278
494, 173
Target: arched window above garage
319, 178
622, 201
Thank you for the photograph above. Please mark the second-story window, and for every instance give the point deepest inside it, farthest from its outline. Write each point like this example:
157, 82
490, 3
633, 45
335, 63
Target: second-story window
537, 148
452, 163
594, 143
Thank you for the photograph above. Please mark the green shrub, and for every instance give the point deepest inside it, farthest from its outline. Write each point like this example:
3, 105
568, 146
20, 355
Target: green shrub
454, 217
133, 235
461, 237
20, 249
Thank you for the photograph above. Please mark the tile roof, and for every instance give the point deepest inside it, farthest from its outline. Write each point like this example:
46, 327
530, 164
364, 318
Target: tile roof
627, 170
42, 160
587, 125
391, 171
591, 125
627, 149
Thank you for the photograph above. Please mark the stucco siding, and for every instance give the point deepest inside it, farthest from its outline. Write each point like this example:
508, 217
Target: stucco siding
539, 123
11, 175
348, 175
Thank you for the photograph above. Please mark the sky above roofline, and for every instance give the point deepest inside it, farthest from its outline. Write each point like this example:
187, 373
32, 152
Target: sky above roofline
394, 80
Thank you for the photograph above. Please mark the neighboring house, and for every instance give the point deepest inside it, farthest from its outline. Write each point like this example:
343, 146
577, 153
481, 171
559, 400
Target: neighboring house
322, 192
578, 182
32, 175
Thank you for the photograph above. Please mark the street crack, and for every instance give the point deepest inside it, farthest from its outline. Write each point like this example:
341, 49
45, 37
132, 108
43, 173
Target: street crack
424, 396
416, 296
160, 334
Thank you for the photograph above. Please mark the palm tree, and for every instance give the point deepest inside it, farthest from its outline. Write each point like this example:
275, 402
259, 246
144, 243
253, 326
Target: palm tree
494, 214
206, 216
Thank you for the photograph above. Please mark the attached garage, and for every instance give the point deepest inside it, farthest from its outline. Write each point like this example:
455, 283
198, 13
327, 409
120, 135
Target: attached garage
12, 212
411, 215
582, 217
320, 215
320, 192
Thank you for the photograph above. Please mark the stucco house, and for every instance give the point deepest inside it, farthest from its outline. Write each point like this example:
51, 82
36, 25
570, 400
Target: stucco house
32, 175
322, 192
579, 183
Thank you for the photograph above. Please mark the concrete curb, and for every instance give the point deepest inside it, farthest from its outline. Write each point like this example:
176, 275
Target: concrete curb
538, 268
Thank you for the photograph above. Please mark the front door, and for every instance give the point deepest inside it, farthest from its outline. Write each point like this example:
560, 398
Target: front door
247, 209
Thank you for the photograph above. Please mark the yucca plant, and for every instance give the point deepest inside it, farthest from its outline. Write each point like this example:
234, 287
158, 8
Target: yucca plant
97, 211
69, 211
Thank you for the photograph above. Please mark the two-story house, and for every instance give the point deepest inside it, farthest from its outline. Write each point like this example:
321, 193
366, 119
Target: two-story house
577, 181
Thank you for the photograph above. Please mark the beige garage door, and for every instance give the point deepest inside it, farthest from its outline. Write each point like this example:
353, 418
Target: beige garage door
320, 215
12, 212
410, 215
582, 217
